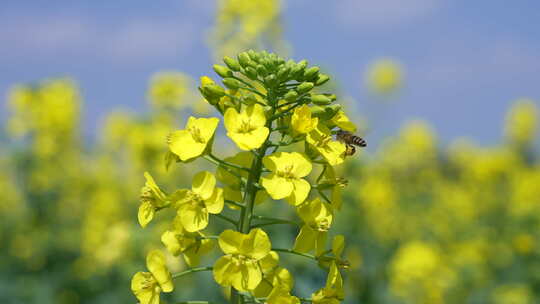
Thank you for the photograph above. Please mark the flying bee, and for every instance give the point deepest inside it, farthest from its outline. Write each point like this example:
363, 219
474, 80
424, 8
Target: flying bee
350, 140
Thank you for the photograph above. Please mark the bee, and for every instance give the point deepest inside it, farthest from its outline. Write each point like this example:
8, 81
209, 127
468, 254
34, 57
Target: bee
350, 140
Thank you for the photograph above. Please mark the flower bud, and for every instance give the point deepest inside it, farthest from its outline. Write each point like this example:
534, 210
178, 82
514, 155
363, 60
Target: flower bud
213, 91
231, 63
311, 73
271, 79
320, 99
232, 83
243, 59
283, 73
254, 55
222, 71
304, 87
290, 96
261, 70
323, 78
251, 73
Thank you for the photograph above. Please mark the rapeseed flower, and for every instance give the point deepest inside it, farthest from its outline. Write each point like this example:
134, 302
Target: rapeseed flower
194, 140
321, 139
247, 128
301, 120
286, 177
148, 285
196, 204
240, 266
317, 216
152, 199
191, 244
333, 292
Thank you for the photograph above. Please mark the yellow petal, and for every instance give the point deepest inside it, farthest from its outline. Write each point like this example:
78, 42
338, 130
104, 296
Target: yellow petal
144, 293
155, 189
193, 218
222, 270
182, 144
231, 119
341, 120
256, 114
251, 140
230, 241
168, 238
207, 127
270, 261
277, 187
256, 244
338, 244
305, 241
250, 276
300, 192
320, 243
302, 166
203, 184
155, 261
215, 203
146, 213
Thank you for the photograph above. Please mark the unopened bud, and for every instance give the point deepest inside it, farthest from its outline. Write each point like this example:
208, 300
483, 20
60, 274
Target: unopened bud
283, 73
320, 99
323, 78
261, 70
213, 90
243, 59
222, 71
311, 73
251, 73
304, 87
290, 96
232, 83
231, 63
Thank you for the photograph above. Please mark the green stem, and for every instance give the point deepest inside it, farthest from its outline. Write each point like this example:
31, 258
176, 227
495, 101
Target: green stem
192, 270
272, 221
306, 255
227, 163
237, 204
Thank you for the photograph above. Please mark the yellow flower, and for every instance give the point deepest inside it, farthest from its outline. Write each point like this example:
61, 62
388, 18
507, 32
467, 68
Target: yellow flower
342, 121
191, 244
193, 141
152, 199
147, 285
274, 276
333, 292
338, 245
247, 128
286, 179
317, 217
321, 139
167, 89
384, 76
240, 266
280, 295
301, 121
194, 205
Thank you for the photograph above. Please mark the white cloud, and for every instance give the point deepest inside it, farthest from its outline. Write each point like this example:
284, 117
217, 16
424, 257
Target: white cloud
383, 14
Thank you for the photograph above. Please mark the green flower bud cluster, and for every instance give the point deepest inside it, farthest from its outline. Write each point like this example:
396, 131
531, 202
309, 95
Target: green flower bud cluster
294, 82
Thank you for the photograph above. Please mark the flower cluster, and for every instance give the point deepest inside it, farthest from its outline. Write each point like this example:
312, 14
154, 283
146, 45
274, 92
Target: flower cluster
268, 104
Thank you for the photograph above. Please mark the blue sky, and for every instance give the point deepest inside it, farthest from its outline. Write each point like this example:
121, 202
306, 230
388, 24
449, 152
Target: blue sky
465, 61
